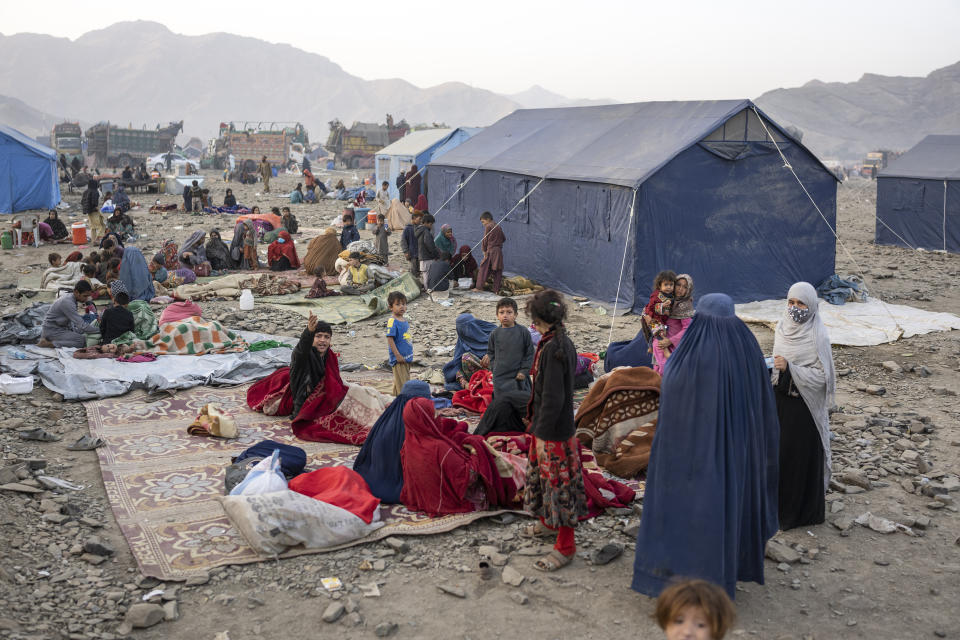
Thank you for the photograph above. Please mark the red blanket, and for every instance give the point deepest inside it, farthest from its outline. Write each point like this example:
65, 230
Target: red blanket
340, 486
479, 393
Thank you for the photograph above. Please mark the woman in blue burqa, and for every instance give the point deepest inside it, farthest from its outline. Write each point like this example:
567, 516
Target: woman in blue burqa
711, 497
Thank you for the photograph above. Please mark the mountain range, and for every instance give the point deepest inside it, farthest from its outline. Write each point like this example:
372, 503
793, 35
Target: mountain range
160, 76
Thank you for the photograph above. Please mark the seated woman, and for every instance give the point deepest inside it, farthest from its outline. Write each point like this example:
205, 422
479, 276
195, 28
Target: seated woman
681, 315
282, 254
379, 459
168, 256
121, 225
193, 255
218, 253
136, 275
58, 230
157, 271
446, 243
322, 252
463, 264
324, 408
289, 221
448, 470
229, 200
340, 190
121, 201
296, 196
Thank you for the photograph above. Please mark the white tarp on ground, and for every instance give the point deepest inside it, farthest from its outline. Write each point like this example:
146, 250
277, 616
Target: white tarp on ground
859, 324
78, 379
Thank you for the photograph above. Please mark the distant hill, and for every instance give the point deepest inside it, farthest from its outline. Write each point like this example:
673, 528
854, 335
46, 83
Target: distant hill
162, 76
844, 120
536, 97
24, 118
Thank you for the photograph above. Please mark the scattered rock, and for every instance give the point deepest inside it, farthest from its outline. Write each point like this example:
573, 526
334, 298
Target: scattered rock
519, 598
843, 523
453, 591
171, 611
875, 390
143, 615
334, 611
856, 478
779, 552
876, 523
892, 366
198, 579
97, 547
397, 544
512, 577
93, 559
385, 629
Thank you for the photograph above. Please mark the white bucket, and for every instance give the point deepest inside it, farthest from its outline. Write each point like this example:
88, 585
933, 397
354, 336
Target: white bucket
10, 385
464, 283
246, 300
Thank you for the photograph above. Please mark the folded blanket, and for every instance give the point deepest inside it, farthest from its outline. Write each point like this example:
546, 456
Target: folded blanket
194, 336
478, 394
63, 277
617, 420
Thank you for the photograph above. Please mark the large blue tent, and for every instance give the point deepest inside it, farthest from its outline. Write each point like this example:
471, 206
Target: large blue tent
28, 173
918, 197
708, 193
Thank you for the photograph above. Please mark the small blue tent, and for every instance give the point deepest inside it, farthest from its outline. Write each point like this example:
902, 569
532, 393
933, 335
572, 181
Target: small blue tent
28, 173
417, 148
918, 197
706, 188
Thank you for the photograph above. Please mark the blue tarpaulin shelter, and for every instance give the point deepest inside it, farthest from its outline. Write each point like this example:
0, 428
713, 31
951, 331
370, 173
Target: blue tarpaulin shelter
918, 197
708, 193
417, 148
28, 173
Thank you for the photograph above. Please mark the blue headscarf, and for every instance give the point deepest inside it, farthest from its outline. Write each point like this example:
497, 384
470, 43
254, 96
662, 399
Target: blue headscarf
136, 276
473, 336
711, 497
379, 459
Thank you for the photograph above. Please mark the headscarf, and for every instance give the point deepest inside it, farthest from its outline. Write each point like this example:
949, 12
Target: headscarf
421, 203
217, 251
117, 242
194, 245
438, 472
307, 370
56, 225
286, 248
168, 256
683, 307
466, 256
806, 348
117, 286
136, 276
74, 256
379, 458
444, 243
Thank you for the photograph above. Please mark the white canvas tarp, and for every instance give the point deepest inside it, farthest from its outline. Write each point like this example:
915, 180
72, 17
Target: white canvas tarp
859, 324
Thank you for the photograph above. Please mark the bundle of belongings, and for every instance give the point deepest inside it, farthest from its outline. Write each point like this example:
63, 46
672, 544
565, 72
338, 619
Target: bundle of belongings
213, 421
275, 505
837, 290
618, 418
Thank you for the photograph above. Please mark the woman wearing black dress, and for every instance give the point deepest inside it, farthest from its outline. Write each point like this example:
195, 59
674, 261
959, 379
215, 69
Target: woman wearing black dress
804, 385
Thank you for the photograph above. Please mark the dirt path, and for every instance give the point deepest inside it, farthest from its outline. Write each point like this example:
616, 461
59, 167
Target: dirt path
847, 581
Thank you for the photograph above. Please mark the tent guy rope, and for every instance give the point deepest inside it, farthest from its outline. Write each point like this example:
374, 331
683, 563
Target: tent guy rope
623, 263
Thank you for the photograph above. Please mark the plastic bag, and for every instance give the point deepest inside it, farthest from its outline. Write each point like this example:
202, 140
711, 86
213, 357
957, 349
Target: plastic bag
266, 477
14, 385
271, 522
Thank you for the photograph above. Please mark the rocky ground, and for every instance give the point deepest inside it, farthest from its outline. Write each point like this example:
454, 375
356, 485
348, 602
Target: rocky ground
885, 565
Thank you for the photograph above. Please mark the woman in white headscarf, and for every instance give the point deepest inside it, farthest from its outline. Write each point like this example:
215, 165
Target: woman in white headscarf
804, 384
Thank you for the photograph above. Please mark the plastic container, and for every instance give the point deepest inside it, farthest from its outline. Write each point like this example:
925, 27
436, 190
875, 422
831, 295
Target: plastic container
464, 283
10, 385
6, 240
372, 217
79, 230
246, 300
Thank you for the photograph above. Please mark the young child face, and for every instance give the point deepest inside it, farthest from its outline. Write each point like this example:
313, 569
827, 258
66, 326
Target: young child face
667, 287
398, 308
682, 287
109, 348
355, 263
690, 623
506, 316
56, 262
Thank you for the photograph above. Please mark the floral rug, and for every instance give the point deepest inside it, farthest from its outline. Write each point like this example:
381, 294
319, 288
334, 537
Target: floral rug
163, 484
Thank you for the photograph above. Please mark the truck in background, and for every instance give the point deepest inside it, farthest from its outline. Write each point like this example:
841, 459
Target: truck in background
66, 139
875, 161
283, 143
355, 147
112, 146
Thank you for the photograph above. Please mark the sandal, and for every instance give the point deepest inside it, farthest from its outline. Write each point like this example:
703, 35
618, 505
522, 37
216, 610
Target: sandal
40, 434
86, 443
606, 554
535, 530
552, 561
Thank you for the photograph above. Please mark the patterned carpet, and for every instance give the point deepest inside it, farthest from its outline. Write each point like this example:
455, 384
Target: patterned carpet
163, 483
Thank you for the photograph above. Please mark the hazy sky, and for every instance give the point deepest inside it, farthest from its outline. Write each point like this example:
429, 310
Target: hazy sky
631, 50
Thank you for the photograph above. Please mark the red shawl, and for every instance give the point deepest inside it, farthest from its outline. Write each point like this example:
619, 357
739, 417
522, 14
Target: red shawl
438, 472
479, 393
286, 248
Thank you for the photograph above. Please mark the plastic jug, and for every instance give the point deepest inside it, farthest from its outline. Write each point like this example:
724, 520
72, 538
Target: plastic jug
6, 240
246, 300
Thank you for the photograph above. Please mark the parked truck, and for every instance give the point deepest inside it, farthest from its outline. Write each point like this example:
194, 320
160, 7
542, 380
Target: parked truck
354, 148
283, 143
66, 139
875, 161
113, 146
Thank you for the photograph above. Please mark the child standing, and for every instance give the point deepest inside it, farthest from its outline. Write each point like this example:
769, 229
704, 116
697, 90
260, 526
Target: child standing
657, 311
349, 233
554, 489
398, 340
509, 351
694, 610
426, 248
408, 244
250, 248
381, 231
492, 246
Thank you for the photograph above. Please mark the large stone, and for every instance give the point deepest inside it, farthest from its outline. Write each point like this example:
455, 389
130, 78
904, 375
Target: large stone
97, 546
512, 577
143, 615
333, 612
892, 366
855, 478
385, 629
779, 552
171, 611
875, 390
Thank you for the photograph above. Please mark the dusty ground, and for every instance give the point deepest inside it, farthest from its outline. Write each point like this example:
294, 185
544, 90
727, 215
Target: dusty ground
846, 580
